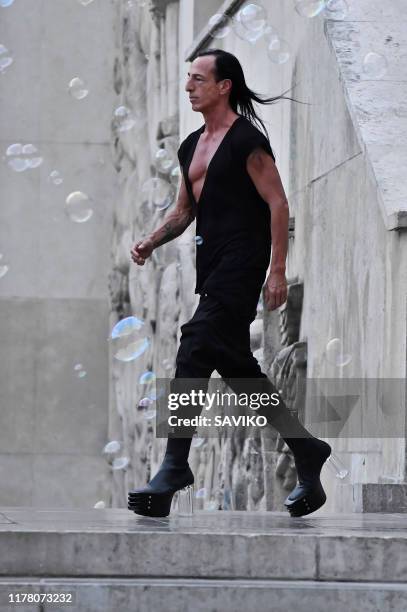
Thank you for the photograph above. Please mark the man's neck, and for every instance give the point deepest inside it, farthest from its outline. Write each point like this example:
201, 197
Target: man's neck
218, 119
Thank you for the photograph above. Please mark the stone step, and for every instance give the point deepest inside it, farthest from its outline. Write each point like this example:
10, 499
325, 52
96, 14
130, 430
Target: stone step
229, 545
203, 595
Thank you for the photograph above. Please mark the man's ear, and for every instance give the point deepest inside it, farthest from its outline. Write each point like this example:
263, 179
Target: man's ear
226, 86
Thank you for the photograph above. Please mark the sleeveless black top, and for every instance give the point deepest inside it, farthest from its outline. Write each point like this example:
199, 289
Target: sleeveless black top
232, 220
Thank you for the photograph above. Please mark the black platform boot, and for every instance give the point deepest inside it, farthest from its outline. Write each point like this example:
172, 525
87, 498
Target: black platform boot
310, 453
173, 475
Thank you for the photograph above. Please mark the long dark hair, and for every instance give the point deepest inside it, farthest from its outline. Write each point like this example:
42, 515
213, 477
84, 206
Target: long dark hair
227, 66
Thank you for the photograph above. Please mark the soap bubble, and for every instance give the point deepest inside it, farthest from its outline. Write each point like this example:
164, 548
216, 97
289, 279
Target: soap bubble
158, 192
198, 240
154, 394
251, 36
3, 270
309, 8
55, 178
220, 24
253, 17
197, 442
163, 160
145, 401
85, 2
18, 164
278, 50
374, 65
175, 175
120, 463
128, 342
201, 493
150, 414
5, 59
77, 207
34, 162
29, 149
100, 505
336, 9
6, 3
15, 149
167, 365
335, 354
112, 447
147, 377
81, 373
123, 119
77, 88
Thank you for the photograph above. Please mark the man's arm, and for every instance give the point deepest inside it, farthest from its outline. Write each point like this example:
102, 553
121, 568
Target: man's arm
175, 223
266, 178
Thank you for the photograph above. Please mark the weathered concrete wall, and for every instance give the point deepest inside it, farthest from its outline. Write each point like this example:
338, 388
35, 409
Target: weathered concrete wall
54, 302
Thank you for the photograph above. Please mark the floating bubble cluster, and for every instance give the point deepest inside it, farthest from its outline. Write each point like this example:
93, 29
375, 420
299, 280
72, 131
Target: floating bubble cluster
78, 207
128, 340
198, 240
5, 59
23, 157
77, 88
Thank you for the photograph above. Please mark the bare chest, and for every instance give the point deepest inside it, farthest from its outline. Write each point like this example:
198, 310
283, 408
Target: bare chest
203, 155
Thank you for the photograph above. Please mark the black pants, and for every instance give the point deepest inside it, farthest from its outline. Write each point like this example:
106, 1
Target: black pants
214, 340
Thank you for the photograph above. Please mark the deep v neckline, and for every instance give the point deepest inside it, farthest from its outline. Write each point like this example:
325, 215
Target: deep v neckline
191, 156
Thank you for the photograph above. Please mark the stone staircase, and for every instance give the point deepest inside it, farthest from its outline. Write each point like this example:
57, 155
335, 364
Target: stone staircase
214, 561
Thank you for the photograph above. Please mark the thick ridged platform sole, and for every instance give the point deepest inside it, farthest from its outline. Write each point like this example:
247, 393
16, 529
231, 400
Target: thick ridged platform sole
148, 503
313, 498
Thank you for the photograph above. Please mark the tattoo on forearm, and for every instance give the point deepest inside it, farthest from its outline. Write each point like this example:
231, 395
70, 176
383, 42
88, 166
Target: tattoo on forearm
171, 229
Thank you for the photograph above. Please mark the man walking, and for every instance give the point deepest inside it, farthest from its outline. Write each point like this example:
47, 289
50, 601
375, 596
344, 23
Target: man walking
231, 186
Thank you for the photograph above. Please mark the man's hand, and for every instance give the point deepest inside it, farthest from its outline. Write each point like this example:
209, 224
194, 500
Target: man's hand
275, 292
141, 250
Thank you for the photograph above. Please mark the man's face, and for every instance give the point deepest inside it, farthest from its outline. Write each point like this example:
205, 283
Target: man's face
204, 91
